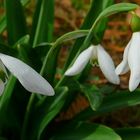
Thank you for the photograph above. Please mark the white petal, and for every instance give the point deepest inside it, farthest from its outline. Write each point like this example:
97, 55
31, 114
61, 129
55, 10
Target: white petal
107, 66
123, 67
1, 87
133, 81
134, 61
28, 77
80, 62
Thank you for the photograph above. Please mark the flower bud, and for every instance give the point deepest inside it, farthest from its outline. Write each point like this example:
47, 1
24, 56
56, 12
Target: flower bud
135, 23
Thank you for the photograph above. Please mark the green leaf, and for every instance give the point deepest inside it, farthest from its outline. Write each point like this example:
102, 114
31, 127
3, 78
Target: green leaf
116, 8
53, 109
85, 131
93, 95
129, 133
71, 35
16, 25
5, 103
45, 110
111, 103
7, 50
43, 22
3, 18
66, 37
2, 23
7, 93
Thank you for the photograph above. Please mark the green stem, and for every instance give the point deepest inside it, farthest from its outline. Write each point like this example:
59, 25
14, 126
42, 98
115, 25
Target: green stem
30, 103
23, 132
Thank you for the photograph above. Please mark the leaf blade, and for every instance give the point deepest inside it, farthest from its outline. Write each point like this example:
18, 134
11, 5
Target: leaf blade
86, 131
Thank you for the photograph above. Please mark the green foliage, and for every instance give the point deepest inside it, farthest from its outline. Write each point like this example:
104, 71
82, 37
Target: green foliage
93, 95
86, 131
129, 133
15, 20
112, 102
31, 116
43, 22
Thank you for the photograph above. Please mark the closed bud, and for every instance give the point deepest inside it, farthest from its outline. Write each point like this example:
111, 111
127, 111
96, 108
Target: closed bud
135, 23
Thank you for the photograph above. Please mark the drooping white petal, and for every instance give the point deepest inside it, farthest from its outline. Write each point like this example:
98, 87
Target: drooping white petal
1, 87
80, 62
107, 66
123, 67
28, 77
134, 61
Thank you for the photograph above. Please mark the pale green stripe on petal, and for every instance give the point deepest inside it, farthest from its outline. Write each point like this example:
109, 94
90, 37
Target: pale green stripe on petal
28, 77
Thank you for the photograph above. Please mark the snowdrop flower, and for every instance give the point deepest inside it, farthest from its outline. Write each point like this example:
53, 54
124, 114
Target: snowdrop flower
28, 77
131, 60
94, 54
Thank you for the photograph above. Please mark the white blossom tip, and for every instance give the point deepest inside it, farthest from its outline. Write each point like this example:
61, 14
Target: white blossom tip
118, 70
69, 72
116, 80
133, 83
80, 63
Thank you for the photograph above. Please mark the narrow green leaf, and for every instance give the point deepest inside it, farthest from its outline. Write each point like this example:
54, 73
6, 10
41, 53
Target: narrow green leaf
43, 22
5, 102
44, 111
7, 50
93, 95
71, 35
85, 131
66, 37
3, 18
116, 8
2, 23
53, 109
129, 133
7, 93
111, 103
16, 25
